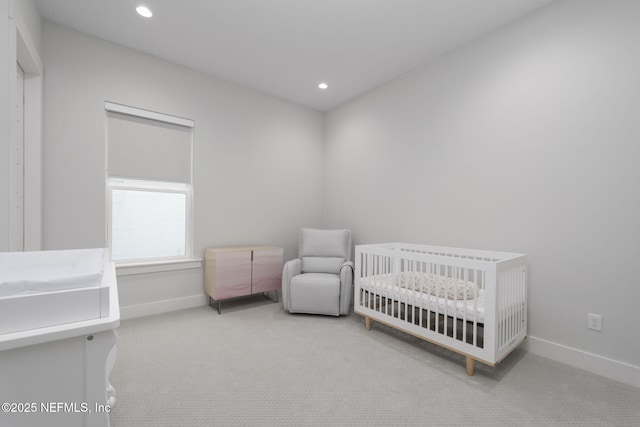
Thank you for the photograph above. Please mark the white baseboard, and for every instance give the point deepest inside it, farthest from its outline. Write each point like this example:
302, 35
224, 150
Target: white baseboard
157, 307
609, 368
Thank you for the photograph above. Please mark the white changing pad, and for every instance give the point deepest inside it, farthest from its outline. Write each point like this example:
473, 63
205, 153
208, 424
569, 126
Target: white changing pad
383, 285
24, 273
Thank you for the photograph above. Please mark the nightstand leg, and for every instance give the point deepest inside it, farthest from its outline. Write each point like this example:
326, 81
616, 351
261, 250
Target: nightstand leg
267, 295
211, 301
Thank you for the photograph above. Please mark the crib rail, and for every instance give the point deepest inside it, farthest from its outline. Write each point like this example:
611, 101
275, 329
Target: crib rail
511, 308
470, 301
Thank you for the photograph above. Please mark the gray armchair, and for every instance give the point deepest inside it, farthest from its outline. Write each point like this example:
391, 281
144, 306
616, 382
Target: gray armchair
319, 280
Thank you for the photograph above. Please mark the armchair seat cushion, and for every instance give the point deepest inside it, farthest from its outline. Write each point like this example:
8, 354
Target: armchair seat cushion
315, 293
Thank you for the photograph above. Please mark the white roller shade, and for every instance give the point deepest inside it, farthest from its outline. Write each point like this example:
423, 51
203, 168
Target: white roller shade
144, 148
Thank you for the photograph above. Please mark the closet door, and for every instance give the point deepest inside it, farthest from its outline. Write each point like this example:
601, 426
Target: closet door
267, 269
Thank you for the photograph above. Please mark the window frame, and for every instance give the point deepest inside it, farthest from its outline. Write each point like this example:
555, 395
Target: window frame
148, 265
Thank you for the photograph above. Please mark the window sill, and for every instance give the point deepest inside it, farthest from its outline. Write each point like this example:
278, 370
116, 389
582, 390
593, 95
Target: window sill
156, 267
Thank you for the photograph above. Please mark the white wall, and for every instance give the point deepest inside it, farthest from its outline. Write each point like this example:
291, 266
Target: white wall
258, 160
28, 21
527, 140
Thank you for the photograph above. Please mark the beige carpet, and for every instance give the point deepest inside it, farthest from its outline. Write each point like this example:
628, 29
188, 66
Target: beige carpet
256, 365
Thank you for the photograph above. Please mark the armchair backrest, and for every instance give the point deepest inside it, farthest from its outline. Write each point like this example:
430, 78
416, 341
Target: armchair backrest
324, 251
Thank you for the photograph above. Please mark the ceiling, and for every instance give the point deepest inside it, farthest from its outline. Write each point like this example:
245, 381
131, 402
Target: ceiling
286, 47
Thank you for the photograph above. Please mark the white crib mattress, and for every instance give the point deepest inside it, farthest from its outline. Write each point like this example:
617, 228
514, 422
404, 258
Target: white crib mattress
23, 273
383, 285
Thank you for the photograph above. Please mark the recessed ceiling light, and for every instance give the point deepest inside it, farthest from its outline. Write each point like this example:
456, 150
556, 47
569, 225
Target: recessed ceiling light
323, 86
144, 11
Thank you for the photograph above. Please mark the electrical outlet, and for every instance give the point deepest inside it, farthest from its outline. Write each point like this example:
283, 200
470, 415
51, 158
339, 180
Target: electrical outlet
595, 322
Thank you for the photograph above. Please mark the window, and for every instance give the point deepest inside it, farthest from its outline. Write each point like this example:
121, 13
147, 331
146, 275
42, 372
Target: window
148, 220
148, 185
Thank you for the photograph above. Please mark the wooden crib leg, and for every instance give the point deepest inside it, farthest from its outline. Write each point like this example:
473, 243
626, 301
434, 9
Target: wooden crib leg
469, 366
367, 323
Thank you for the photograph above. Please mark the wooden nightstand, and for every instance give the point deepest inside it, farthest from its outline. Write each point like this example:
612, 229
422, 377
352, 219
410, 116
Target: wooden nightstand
242, 271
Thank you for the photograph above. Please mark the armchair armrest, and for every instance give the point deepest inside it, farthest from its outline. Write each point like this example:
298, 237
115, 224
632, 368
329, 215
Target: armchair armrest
346, 282
345, 267
291, 268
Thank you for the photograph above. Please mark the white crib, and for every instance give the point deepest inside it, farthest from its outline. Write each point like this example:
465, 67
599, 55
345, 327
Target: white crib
472, 302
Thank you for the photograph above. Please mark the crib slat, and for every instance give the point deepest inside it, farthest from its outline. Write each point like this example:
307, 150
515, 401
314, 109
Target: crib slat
466, 301
437, 285
512, 305
503, 308
368, 273
500, 313
476, 279
507, 308
455, 297
512, 313
446, 306
518, 293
